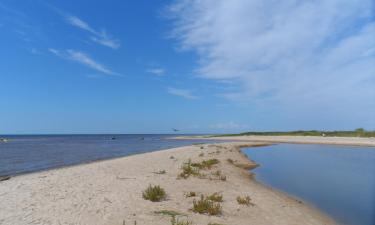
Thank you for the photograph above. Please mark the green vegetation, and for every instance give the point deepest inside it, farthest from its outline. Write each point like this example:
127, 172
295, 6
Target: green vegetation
188, 170
205, 164
244, 200
206, 206
360, 132
215, 197
219, 175
154, 193
169, 213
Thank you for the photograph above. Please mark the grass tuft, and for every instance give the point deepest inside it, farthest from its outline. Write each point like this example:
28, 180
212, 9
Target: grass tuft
244, 200
206, 164
154, 193
188, 170
206, 206
215, 197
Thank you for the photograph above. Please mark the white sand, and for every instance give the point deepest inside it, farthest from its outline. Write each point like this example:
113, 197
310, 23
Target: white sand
351, 141
110, 192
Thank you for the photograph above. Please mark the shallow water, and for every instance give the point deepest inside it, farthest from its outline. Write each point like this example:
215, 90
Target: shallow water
29, 153
339, 180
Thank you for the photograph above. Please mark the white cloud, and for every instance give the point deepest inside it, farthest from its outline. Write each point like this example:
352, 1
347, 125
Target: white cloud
316, 52
83, 59
100, 37
157, 71
181, 92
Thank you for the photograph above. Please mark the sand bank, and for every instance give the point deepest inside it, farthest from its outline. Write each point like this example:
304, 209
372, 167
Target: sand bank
110, 192
351, 141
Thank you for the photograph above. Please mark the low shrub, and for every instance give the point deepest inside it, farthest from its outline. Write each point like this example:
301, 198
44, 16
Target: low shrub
154, 193
206, 164
206, 206
188, 170
215, 197
244, 200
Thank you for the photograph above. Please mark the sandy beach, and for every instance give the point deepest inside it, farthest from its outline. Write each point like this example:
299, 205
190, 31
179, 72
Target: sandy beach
110, 192
350, 141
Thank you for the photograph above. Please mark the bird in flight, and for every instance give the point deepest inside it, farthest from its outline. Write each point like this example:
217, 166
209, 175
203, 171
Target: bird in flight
175, 130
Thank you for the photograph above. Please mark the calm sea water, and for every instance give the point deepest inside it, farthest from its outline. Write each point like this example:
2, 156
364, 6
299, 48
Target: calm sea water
339, 180
29, 153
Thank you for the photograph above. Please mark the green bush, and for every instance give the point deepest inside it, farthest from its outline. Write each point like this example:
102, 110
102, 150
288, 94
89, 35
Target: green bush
154, 193
206, 206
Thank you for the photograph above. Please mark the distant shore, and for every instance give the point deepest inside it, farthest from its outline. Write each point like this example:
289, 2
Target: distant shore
110, 192
351, 141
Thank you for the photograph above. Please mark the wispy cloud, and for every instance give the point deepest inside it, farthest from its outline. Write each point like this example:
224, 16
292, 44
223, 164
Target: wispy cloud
314, 52
83, 59
188, 94
156, 71
99, 37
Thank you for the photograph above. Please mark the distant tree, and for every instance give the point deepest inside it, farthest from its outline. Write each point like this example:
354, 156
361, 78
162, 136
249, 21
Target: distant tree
361, 130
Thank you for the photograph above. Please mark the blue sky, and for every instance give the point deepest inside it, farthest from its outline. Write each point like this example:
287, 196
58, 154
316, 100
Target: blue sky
208, 66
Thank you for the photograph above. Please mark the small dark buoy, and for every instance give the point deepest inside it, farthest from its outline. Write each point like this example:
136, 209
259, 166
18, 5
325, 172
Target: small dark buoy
113, 138
142, 138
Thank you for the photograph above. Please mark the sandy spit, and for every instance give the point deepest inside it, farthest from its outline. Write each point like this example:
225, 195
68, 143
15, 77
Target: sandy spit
350, 141
110, 192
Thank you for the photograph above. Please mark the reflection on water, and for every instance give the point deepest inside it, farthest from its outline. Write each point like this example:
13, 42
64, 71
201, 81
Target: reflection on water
339, 180
30, 153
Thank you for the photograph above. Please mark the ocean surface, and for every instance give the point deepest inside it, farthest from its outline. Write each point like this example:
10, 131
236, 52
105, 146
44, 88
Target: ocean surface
30, 153
339, 180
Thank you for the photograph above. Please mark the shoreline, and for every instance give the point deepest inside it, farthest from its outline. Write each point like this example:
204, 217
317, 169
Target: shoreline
110, 191
343, 141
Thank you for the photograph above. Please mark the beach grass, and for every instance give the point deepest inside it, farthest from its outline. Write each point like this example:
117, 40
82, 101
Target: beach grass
154, 193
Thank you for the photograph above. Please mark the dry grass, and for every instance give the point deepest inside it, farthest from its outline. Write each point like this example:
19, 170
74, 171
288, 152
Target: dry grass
244, 200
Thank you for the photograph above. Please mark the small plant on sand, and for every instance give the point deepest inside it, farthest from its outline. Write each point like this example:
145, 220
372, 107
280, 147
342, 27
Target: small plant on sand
201, 155
188, 170
175, 221
206, 164
215, 224
206, 206
215, 197
190, 194
154, 193
244, 200
218, 175
202, 147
